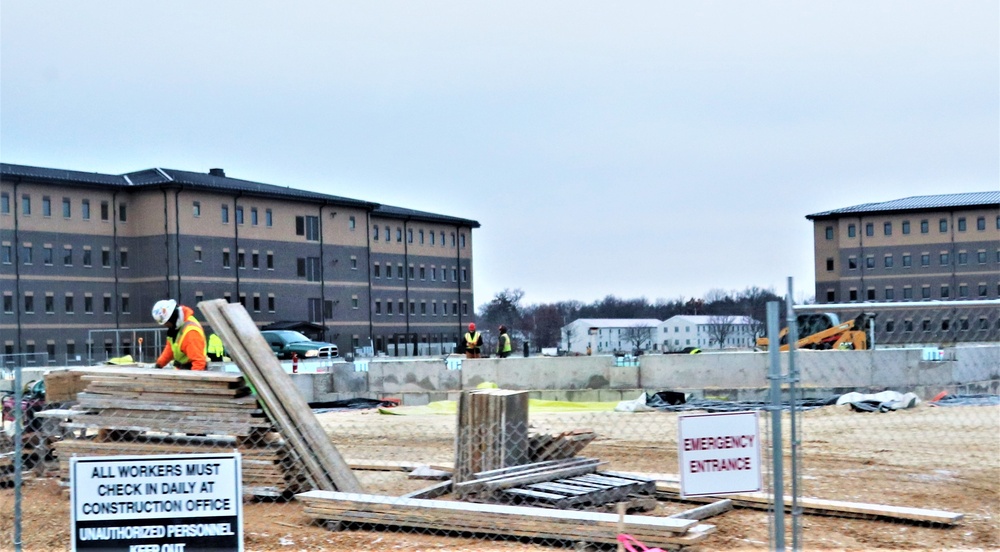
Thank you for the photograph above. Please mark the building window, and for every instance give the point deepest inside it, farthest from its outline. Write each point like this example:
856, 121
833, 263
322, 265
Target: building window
925, 259
906, 227
461, 240
890, 326
829, 264
925, 292
122, 213
270, 303
196, 209
105, 257
351, 223
869, 229
907, 260
254, 220
432, 238
925, 226
853, 295
870, 261
963, 290
887, 261
256, 302
239, 214
453, 239
378, 306
308, 268
126, 305
255, 260
409, 272
50, 304
26, 204
354, 262
68, 255
421, 237
123, 258
388, 307
88, 304
354, 302
46, 206
907, 292
26, 251
378, 270
961, 224
399, 271
4, 203
107, 303
401, 309
871, 294
241, 259
85, 209
887, 228
890, 294
981, 257
963, 257
982, 289
829, 232
105, 211
852, 262
423, 307
442, 238
47, 255
268, 219
433, 274
270, 260
225, 214
945, 291
375, 232
943, 225
831, 296
67, 208
8, 303
465, 274
29, 303
980, 223
423, 273
225, 258
386, 234
943, 259
87, 257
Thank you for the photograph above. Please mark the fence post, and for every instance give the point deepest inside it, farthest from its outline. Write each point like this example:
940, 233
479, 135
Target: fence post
793, 415
18, 453
774, 375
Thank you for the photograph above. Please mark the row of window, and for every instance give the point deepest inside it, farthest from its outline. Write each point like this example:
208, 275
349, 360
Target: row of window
412, 272
428, 238
108, 305
926, 325
961, 224
48, 255
944, 258
424, 311
889, 293
67, 207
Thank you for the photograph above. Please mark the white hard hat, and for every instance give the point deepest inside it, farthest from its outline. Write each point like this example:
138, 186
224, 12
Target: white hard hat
163, 310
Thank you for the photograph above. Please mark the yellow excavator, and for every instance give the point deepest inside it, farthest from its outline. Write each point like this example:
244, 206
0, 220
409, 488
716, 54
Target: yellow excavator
826, 331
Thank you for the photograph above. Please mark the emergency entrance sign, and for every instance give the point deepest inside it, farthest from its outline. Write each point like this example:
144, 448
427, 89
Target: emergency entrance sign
719, 453
169, 503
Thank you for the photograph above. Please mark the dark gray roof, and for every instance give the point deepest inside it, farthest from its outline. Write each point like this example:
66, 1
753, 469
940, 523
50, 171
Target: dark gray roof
917, 203
204, 181
399, 212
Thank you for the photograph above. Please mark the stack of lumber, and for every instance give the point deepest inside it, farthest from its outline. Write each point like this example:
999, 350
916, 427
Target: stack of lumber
6, 468
492, 431
323, 466
144, 411
63, 385
545, 445
495, 519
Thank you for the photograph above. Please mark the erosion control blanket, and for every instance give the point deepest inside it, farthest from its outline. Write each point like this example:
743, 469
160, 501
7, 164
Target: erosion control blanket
879, 402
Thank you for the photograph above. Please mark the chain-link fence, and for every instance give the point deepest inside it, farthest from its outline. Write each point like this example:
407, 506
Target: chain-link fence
887, 448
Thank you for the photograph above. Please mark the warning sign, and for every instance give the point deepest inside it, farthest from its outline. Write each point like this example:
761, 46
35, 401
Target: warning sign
719, 453
177, 503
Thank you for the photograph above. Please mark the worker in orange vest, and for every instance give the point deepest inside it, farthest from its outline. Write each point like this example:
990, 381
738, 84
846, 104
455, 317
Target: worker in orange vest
185, 336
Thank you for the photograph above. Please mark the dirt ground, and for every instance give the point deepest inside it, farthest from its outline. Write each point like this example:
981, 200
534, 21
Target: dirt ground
926, 457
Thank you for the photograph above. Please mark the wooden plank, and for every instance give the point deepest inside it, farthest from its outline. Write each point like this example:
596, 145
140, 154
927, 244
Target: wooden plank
434, 491
506, 482
318, 477
706, 511
819, 506
291, 399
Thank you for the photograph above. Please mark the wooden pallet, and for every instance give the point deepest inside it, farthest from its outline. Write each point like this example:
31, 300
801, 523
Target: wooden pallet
582, 491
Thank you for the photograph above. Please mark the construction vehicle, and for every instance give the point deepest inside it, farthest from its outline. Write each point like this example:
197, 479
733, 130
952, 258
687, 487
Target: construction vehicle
825, 331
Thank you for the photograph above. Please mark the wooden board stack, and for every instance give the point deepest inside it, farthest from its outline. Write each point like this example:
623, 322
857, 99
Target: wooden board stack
149, 411
492, 431
495, 519
545, 445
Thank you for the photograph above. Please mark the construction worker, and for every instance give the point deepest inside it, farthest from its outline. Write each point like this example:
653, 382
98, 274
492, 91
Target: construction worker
473, 342
216, 351
185, 336
503, 344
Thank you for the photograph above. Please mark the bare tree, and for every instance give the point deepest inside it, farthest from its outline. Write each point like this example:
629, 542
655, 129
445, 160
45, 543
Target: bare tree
638, 335
719, 328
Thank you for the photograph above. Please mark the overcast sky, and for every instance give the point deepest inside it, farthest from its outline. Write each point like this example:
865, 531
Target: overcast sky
656, 149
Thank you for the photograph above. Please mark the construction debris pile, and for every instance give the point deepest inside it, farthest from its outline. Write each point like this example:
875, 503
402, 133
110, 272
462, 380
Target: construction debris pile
126, 411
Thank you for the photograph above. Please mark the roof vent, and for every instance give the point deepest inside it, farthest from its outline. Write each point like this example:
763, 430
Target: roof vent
217, 172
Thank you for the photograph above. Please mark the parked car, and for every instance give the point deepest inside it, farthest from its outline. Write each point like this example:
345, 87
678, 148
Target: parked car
286, 342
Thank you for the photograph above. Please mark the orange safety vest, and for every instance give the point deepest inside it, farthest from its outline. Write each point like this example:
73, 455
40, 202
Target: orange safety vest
189, 325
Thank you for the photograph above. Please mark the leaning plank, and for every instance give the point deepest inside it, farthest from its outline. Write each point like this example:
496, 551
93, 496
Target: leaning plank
434, 491
825, 507
291, 399
300, 450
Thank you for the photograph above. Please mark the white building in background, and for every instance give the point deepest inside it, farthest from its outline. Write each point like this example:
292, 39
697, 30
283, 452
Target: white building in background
607, 335
705, 332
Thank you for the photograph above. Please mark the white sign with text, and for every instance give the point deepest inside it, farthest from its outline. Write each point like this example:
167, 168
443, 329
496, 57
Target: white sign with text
157, 503
719, 453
